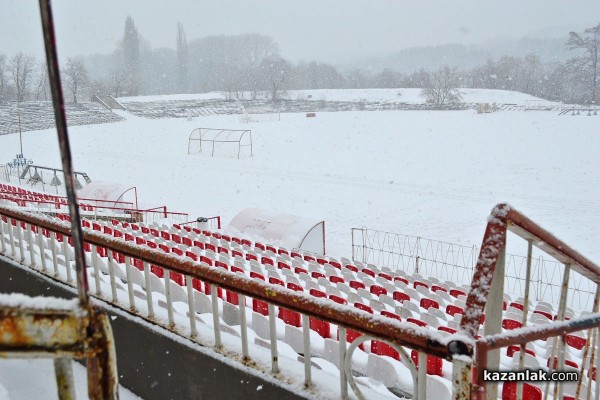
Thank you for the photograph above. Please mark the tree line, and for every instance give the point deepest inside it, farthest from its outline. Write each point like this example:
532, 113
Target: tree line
251, 66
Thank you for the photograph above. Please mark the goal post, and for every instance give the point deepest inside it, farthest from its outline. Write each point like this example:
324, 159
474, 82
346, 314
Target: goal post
221, 142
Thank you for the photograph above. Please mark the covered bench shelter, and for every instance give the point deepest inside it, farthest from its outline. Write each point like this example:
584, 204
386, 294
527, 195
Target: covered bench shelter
287, 230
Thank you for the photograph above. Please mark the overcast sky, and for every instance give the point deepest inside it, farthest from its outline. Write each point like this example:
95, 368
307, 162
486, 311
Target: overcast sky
325, 30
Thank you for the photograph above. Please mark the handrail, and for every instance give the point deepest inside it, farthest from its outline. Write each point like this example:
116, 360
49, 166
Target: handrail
417, 338
503, 218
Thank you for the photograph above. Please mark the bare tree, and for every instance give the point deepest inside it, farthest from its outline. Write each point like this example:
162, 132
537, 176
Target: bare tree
21, 67
3, 83
276, 74
76, 76
43, 86
117, 82
441, 89
589, 42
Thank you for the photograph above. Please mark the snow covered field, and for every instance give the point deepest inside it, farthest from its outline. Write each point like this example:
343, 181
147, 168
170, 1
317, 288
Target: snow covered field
402, 95
429, 173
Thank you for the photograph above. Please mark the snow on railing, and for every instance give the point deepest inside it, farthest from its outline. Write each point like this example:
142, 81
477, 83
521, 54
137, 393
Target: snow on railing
487, 294
24, 237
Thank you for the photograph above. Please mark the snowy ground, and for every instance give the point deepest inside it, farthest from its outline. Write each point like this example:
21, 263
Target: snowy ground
402, 95
16, 382
430, 173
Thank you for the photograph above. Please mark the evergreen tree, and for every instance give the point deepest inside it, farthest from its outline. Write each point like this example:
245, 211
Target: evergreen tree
182, 60
130, 47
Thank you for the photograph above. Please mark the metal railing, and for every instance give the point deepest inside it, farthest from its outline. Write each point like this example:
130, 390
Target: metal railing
176, 307
486, 293
23, 240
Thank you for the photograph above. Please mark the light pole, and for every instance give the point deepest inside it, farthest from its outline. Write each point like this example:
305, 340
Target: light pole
19, 116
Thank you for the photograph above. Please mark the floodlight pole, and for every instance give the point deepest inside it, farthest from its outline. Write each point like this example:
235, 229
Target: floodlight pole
65, 148
20, 131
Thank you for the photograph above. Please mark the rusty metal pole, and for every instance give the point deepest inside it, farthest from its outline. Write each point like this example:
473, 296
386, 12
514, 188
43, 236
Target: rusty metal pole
65, 148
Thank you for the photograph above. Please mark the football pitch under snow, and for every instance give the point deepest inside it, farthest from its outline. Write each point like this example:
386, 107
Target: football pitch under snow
435, 174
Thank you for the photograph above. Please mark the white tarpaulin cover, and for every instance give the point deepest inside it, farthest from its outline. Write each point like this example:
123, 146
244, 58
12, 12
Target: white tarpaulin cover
287, 230
106, 191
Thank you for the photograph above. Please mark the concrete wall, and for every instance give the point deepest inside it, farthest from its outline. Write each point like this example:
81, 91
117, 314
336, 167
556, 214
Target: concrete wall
150, 364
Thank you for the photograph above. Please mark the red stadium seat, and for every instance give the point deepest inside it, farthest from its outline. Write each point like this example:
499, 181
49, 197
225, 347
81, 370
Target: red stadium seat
282, 265
318, 293
446, 329
211, 247
351, 267
177, 277
261, 307
389, 314
398, 278
452, 309
516, 305
222, 250
317, 275
377, 290
575, 341
336, 279
544, 313
369, 272
232, 297
417, 322
235, 253
221, 264
236, 269
568, 363
428, 303
401, 296
384, 349
295, 287
385, 276
512, 349
419, 283
321, 327
510, 324
300, 270
357, 285
530, 392
276, 281
456, 293
338, 299
267, 261
363, 307
434, 364
290, 317
256, 275
206, 260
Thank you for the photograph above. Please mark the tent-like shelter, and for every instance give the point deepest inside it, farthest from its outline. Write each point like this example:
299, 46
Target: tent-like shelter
287, 230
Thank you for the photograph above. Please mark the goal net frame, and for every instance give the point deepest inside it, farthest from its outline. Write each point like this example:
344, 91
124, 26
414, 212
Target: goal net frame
199, 138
